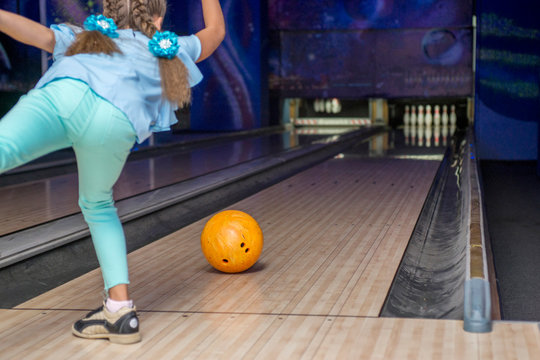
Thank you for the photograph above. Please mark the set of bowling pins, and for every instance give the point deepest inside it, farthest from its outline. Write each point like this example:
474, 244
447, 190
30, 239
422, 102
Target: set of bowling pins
413, 117
422, 135
329, 106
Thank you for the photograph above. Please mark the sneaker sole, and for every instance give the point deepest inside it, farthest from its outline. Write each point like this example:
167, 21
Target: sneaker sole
114, 338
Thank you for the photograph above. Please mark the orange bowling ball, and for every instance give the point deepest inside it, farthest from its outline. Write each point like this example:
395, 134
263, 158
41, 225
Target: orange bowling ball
232, 241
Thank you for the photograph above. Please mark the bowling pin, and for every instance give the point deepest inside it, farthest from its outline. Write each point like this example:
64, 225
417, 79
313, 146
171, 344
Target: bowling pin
406, 133
413, 135
428, 118
321, 105
413, 115
316, 105
428, 136
336, 106
445, 135
406, 116
420, 118
444, 117
437, 135
420, 135
328, 106
437, 116
453, 117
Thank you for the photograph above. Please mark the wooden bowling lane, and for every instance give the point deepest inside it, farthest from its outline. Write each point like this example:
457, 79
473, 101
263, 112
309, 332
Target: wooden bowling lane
327, 230
334, 237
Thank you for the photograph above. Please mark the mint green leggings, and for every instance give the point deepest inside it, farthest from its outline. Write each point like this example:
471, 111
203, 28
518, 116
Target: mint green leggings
68, 113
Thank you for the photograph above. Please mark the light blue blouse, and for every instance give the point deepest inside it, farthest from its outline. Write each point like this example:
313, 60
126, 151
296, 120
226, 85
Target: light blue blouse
130, 80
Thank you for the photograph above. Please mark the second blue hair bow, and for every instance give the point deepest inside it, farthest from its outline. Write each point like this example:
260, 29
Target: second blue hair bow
164, 44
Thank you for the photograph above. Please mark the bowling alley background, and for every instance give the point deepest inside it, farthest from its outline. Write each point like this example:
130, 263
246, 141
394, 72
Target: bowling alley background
396, 49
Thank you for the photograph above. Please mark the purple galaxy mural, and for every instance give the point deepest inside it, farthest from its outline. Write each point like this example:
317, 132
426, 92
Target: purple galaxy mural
380, 48
368, 14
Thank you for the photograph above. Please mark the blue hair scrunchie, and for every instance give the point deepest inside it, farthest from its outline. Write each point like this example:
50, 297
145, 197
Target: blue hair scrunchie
104, 25
164, 44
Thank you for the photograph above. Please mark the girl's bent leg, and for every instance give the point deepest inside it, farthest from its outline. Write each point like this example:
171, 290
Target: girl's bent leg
101, 154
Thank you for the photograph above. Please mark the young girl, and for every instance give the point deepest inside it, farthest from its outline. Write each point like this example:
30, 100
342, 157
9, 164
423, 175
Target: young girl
111, 84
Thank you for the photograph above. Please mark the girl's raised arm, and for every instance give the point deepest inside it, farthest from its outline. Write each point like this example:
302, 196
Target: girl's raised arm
27, 31
214, 32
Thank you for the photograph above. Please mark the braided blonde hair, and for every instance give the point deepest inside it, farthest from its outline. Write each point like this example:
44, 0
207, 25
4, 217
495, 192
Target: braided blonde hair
118, 10
138, 15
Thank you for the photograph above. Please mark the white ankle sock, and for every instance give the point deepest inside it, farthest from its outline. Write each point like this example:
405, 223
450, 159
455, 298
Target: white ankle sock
113, 305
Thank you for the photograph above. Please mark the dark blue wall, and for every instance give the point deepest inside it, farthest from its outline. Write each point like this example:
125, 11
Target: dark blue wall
507, 81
